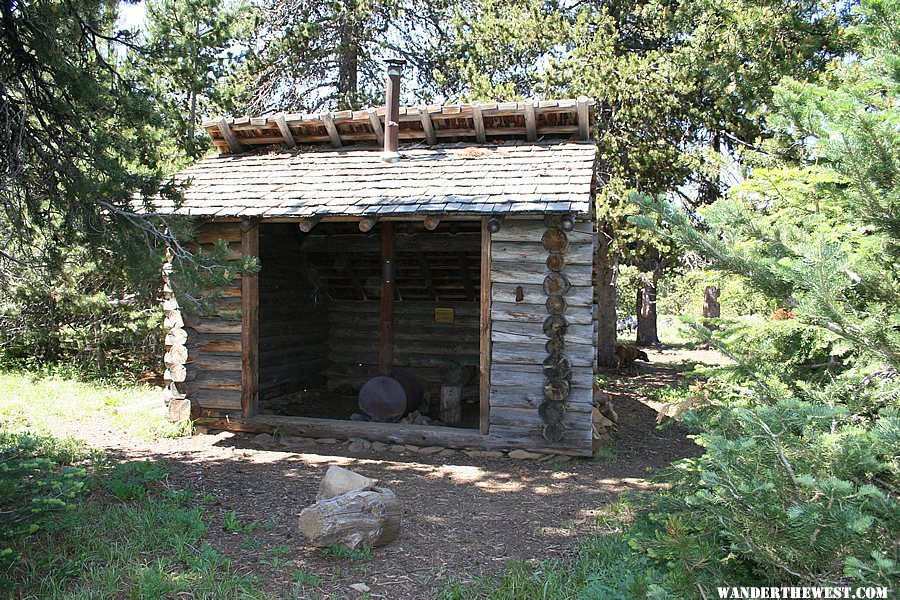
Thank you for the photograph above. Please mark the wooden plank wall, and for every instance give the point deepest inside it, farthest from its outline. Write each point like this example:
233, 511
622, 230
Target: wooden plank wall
293, 327
212, 379
420, 344
519, 344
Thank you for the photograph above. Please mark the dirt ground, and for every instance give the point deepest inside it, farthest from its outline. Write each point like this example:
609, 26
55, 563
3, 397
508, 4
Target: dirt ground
461, 516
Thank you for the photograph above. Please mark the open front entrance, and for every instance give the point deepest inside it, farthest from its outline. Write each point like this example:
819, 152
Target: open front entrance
319, 318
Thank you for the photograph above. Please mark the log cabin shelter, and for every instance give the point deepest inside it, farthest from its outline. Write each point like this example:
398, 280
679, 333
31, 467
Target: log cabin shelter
457, 264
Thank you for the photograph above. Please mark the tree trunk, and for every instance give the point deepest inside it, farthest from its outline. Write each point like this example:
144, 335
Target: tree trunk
605, 297
711, 307
646, 316
348, 65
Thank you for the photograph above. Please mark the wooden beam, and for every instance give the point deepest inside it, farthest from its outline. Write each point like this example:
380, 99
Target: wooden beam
478, 122
432, 222
281, 121
249, 322
306, 225
466, 276
427, 125
484, 411
376, 125
426, 275
233, 144
530, 122
584, 118
333, 132
367, 223
390, 433
494, 223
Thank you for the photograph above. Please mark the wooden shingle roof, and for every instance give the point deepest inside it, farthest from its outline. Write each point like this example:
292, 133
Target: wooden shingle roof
512, 177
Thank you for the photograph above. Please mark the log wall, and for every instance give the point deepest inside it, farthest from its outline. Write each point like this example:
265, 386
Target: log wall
420, 343
293, 327
211, 378
542, 332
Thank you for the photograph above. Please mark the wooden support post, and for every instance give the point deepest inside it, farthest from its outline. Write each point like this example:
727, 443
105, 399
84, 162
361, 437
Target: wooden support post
530, 122
281, 121
426, 275
376, 125
367, 223
332, 129
432, 222
478, 121
584, 117
485, 332
233, 144
427, 125
249, 322
306, 225
466, 276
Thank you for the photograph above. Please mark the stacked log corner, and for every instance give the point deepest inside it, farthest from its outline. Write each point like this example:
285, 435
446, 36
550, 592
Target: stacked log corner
542, 336
176, 356
208, 382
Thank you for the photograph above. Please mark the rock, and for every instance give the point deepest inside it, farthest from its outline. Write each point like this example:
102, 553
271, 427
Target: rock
327, 441
294, 440
359, 587
398, 448
447, 452
609, 412
412, 448
600, 397
263, 438
599, 420
358, 445
429, 450
352, 520
200, 430
484, 454
379, 446
339, 480
358, 417
524, 455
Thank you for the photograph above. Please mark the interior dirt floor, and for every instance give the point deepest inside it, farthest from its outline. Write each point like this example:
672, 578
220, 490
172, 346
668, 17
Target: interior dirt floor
462, 516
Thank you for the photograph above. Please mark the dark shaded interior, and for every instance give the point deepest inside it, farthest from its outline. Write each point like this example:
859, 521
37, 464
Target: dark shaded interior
319, 314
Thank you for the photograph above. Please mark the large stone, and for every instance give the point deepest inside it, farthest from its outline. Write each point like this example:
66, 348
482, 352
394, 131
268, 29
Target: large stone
352, 520
429, 450
484, 454
525, 455
339, 480
379, 446
263, 439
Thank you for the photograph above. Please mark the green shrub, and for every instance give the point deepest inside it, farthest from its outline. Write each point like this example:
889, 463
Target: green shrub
797, 492
39, 478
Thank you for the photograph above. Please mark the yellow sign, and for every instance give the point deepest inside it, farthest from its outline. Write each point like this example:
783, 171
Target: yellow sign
443, 315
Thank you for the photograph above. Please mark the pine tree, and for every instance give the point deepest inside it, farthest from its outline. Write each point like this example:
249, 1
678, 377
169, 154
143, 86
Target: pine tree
798, 480
190, 48
314, 55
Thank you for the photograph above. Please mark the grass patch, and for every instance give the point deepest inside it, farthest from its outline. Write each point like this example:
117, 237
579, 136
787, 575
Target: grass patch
106, 530
35, 403
363, 554
605, 567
